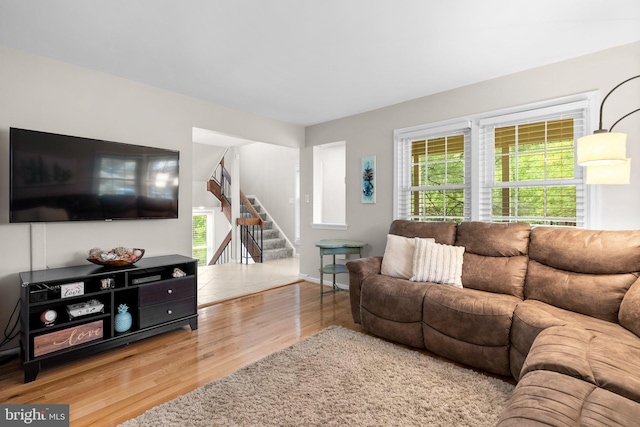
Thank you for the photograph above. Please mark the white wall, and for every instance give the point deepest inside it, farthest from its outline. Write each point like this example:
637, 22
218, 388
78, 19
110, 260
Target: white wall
205, 160
371, 133
42, 94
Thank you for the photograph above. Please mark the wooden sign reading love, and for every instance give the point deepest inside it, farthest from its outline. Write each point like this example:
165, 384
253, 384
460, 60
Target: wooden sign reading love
65, 338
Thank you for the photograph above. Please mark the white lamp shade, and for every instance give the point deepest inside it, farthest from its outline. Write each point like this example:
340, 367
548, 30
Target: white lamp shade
604, 148
609, 174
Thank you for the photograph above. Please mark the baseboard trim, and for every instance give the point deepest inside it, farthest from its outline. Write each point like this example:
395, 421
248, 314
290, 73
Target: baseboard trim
9, 354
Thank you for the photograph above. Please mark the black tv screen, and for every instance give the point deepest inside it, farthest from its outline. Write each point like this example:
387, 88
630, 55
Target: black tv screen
67, 178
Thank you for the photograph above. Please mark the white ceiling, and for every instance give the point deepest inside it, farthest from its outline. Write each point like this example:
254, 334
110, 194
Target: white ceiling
309, 61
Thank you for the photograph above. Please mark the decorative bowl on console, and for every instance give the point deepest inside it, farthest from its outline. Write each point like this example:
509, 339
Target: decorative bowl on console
117, 257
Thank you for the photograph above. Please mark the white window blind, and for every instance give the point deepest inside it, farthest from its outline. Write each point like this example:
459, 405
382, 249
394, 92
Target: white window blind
528, 166
432, 176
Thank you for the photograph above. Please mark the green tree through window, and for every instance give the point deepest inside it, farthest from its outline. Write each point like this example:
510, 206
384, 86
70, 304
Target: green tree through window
531, 161
513, 165
437, 179
199, 239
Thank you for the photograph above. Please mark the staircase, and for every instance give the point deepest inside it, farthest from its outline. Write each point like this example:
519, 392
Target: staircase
274, 246
261, 240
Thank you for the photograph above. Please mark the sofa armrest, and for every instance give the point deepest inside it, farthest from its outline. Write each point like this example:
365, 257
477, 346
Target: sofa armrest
359, 270
629, 314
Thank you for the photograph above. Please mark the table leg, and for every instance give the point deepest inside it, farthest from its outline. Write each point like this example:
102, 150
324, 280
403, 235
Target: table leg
334, 274
321, 275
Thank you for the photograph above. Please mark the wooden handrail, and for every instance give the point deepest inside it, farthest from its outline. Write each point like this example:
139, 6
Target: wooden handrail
254, 213
214, 187
249, 221
221, 249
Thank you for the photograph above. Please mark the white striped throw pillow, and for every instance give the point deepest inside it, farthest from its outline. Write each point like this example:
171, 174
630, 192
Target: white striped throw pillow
437, 263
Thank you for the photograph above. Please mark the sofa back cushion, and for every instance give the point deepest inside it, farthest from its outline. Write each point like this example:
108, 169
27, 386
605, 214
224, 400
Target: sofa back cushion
586, 271
629, 315
442, 232
495, 257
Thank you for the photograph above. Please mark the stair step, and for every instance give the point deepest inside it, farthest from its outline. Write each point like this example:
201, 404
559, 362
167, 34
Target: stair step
270, 233
271, 254
273, 244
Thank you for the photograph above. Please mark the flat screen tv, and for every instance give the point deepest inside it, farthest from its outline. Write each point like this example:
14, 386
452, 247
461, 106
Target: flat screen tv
67, 178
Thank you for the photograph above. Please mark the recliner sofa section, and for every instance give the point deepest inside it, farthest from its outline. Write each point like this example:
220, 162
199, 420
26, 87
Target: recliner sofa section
581, 278
391, 307
544, 305
471, 325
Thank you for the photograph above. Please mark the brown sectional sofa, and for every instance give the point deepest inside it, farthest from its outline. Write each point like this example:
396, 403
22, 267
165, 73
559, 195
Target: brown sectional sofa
558, 309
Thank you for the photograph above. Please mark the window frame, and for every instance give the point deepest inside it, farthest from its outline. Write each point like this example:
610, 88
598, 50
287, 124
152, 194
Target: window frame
578, 111
480, 161
322, 184
403, 187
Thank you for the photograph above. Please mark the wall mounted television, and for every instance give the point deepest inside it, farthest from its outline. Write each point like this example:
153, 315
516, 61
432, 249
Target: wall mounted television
57, 178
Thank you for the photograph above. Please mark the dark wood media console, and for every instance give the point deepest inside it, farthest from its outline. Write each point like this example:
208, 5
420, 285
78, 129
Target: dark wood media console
84, 301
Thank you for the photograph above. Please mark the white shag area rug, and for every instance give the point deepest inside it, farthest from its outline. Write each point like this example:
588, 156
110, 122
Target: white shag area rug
339, 377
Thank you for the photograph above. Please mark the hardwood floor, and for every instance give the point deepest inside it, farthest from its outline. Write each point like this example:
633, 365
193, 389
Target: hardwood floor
112, 387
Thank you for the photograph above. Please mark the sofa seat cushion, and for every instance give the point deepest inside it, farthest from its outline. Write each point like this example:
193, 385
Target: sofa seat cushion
532, 317
469, 326
477, 317
392, 308
589, 356
545, 398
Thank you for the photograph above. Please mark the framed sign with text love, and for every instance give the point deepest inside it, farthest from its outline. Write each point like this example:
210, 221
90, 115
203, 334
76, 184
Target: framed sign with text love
69, 337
